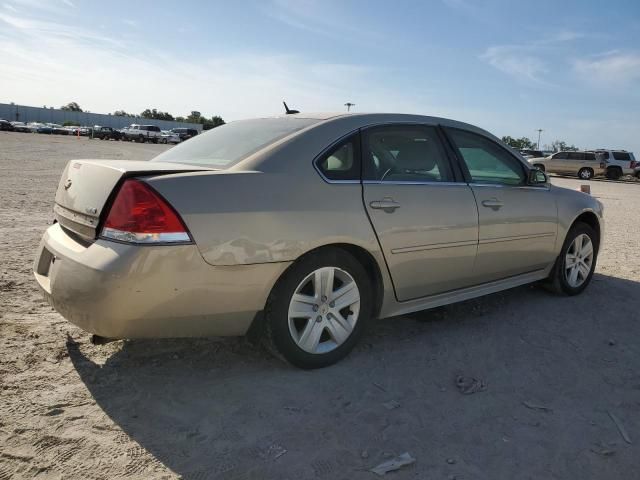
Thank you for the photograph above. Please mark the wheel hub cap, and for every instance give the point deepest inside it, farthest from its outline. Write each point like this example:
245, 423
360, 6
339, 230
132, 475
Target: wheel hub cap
324, 310
578, 260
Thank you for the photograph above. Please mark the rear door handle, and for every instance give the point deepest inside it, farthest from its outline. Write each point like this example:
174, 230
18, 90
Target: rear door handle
493, 203
386, 204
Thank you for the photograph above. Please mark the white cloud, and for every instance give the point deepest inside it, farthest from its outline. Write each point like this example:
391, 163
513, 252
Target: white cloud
610, 69
319, 17
68, 3
516, 61
9, 7
527, 62
53, 64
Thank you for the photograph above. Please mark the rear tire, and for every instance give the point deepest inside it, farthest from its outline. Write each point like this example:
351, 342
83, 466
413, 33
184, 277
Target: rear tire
561, 279
614, 173
332, 317
585, 173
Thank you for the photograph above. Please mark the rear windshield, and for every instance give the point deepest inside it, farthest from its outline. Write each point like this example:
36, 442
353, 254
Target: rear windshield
223, 146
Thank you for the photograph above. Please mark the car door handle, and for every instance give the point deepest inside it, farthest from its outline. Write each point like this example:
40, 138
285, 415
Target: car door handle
493, 203
386, 204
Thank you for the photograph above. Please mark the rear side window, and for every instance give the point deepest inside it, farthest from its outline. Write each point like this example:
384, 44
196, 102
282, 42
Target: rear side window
576, 156
411, 153
342, 161
486, 161
622, 156
590, 156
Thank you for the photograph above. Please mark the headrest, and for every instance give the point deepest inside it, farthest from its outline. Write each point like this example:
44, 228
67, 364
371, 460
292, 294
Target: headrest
416, 156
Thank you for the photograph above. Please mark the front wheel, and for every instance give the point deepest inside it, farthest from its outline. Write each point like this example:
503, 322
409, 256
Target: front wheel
319, 309
576, 263
585, 174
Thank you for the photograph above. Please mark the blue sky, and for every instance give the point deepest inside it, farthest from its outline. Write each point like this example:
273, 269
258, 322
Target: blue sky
571, 68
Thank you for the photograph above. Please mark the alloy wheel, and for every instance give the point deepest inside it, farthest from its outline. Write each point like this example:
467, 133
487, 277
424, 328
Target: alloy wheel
323, 310
578, 260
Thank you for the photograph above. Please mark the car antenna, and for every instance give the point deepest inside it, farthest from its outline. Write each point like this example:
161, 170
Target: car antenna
287, 110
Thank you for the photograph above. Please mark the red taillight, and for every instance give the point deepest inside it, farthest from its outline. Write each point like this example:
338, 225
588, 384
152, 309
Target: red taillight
140, 215
634, 164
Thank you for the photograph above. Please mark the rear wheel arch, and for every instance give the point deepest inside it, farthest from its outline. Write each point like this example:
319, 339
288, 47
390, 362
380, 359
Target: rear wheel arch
363, 257
360, 254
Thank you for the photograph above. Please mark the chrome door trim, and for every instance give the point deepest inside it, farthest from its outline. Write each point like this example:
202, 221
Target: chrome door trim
516, 237
434, 246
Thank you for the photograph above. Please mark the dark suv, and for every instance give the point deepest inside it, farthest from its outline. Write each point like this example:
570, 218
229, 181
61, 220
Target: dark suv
106, 133
185, 133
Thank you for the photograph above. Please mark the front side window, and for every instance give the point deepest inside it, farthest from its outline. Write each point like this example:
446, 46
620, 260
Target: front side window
560, 156
486, 161
342, 161
411, 153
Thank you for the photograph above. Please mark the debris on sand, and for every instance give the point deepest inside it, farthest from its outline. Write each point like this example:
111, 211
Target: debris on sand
533, 406
391, 405
377, 385
394, 464
602, 450
469, 385
621, 428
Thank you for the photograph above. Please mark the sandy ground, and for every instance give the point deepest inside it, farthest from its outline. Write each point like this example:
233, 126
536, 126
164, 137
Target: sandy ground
556, 369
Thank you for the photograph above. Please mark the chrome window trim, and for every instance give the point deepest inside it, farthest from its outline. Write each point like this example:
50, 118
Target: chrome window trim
392, 182
327, 149
502, 185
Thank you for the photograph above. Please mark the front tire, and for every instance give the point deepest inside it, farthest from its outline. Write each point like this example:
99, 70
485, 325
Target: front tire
576, 263
319, 309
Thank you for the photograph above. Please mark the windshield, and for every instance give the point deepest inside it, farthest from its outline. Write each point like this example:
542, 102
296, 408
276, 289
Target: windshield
228, 144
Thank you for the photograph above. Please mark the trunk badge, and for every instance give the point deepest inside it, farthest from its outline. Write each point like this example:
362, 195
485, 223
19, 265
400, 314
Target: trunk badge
67, 184
91, 210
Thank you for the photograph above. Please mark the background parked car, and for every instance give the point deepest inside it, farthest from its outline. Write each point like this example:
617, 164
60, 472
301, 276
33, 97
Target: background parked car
532, 153
142, 133
20, 127
585, 165
619, 162
169, 137
106, 133
5, 125
185, 133
58, 129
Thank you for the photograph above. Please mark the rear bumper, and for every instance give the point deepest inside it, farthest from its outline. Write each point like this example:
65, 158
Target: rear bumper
124, 291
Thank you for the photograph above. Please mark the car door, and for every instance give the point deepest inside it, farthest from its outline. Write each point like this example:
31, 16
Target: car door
575, 161
557, 163
517, 222
425, 220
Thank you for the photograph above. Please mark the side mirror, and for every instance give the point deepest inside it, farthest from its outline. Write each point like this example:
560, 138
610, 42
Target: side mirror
537, 177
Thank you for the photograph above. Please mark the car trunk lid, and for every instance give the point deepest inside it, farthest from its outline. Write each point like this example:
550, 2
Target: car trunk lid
86, 187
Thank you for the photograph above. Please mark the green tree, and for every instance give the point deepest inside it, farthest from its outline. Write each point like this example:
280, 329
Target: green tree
155, 114
122, 113
562, 146
71, 107
522, 143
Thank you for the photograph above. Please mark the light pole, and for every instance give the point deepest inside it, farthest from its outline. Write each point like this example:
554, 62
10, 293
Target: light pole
349, 105
539, 132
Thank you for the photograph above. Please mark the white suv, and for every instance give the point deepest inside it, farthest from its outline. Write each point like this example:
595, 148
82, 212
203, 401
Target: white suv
142, 133
619, 162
